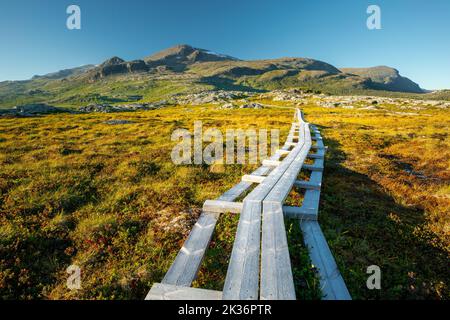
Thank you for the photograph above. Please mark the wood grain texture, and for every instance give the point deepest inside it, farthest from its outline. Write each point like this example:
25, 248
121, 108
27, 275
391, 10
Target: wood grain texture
161, 291
331, 282
220, 206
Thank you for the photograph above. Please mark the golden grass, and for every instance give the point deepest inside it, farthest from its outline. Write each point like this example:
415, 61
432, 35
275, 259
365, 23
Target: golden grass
74, 190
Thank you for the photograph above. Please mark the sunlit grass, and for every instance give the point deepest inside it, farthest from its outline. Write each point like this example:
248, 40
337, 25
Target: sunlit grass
74, 190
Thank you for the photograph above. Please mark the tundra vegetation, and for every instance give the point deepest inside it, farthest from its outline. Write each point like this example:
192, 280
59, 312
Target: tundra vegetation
100, 191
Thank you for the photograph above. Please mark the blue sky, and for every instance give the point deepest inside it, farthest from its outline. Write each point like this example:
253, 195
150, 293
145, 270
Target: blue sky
414, 39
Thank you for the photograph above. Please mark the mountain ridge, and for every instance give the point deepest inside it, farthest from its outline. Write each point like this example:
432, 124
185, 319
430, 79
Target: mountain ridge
386, 77
182, 68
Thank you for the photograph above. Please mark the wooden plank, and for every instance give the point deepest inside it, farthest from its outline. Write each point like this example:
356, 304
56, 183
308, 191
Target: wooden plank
313, 167
320, 154
242, 279
319, 145
276, 273
315, 177
161, 291
285, 183
307, 185
311, 202
271, 163
315, 156
332, 284
185, 267
219, 206
252, 178
236, 191
298, 213
282, 152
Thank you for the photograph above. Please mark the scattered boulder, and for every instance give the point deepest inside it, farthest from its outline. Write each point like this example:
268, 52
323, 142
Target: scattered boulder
32, 109
116, 122
227, 106
37, 108
97, 108
252, 105
107, 108
210, 97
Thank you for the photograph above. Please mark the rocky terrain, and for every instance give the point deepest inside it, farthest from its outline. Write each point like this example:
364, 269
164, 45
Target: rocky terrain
107, 108
236, 100
351, 102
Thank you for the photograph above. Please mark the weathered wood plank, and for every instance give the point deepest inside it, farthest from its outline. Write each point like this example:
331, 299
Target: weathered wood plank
285, 183
332, 283
320, 154
311, 199
236, 191
311, 202
219, 206
241, 282
282, 152
298, 213
319, 145
276, 273
271, 163
161, 291
315, 156
313, 167
316, 177
307, 185
185, 267
252, 178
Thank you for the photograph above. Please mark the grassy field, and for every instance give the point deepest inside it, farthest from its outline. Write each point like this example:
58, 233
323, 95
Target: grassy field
386, 198
74, 190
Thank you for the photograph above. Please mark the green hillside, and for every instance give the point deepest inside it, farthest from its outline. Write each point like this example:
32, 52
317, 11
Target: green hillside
187, 69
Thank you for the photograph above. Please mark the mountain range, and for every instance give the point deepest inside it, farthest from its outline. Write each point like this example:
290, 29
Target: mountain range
183, 69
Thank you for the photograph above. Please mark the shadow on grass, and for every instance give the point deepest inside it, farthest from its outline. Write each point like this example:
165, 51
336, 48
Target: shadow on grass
229, 84
365, 226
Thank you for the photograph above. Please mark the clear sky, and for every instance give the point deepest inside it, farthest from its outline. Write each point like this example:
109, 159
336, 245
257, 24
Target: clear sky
415, 35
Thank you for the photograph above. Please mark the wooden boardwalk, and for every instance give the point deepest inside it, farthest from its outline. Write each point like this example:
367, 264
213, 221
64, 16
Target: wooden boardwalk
260, 266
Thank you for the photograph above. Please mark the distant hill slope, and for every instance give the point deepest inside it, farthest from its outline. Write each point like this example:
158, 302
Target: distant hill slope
65, 73
184, 68
386, 78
